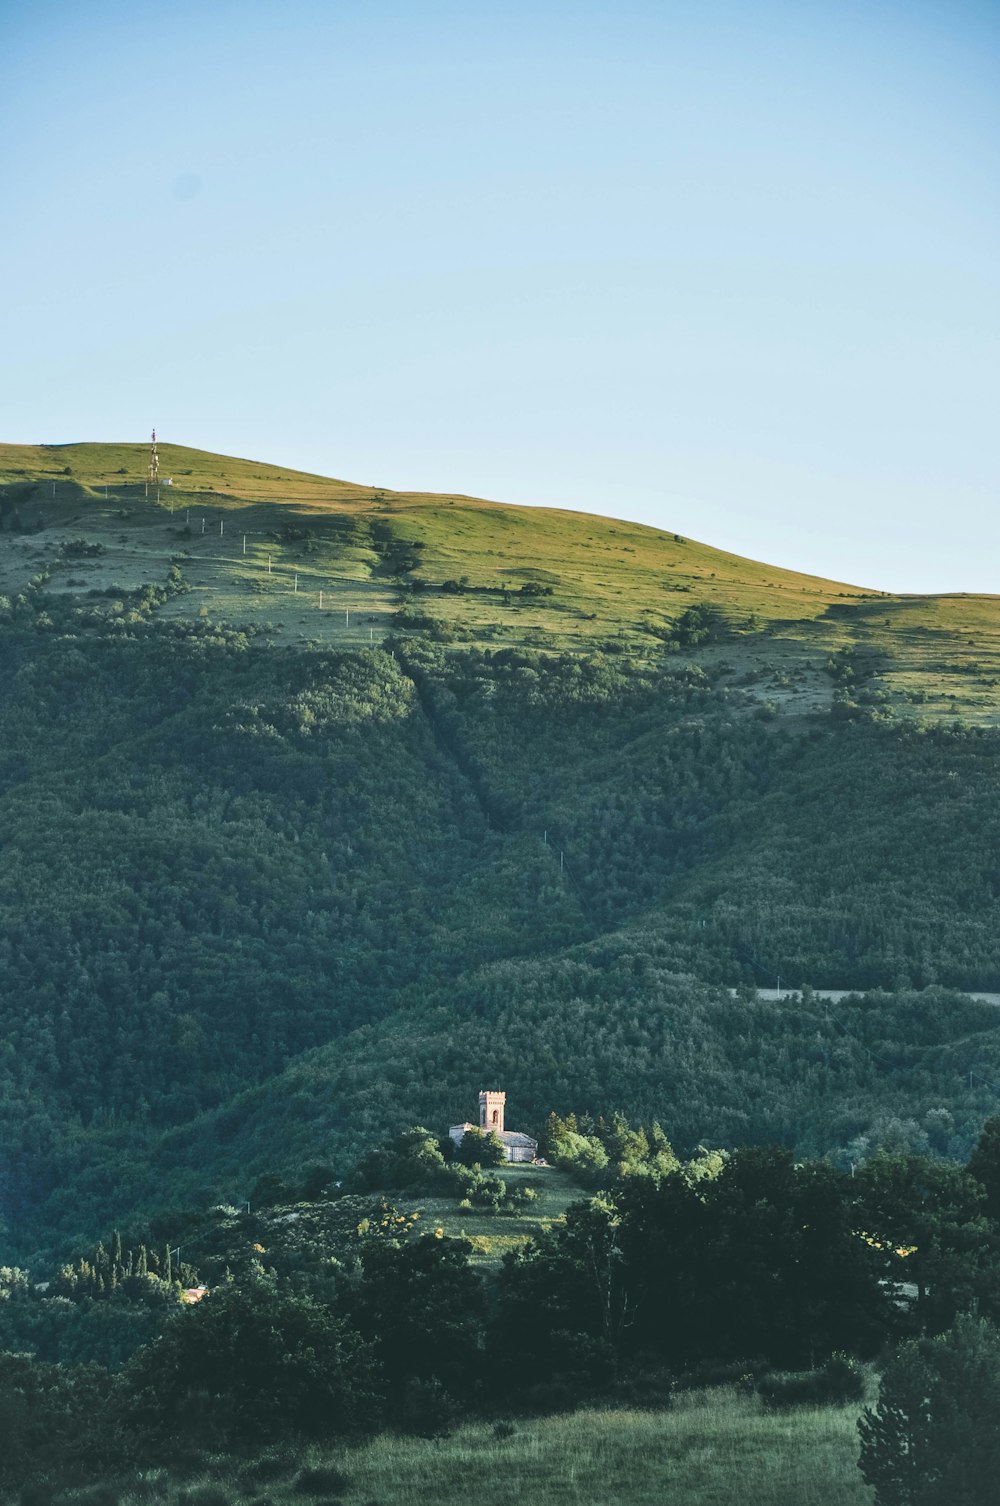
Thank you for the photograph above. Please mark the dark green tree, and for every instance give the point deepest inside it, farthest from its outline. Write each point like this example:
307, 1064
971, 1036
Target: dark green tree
411, 1160
933, 1439
254, 1362
761, 1260
421, 1306
564, 1303
925, 1218
54, 1418
269, 1190
984, 1166
477, 1148
783, 1271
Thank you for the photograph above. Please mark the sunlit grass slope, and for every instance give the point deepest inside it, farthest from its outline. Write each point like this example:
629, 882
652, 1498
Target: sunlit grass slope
328, 561
493, 1236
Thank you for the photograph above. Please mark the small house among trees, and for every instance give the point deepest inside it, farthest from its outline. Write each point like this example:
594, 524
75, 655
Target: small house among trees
517, 1146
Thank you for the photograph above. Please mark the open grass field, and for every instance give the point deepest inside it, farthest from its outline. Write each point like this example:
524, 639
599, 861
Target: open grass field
314, 560
491, 1234
711, 1448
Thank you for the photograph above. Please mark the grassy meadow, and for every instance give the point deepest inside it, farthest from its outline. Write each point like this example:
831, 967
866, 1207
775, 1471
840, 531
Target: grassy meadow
710, 1448
490, 1235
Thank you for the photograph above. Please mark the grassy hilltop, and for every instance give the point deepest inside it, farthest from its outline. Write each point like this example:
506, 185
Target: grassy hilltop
258, 544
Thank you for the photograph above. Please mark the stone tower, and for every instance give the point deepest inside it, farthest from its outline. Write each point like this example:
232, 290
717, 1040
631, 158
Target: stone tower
491, 1112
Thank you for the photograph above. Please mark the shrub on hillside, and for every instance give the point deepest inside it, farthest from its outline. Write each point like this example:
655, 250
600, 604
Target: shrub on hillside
321, 1480
412, 1161
837, 1382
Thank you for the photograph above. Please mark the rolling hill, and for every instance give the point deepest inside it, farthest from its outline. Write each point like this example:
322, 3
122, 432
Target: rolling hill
265, 545
521, 798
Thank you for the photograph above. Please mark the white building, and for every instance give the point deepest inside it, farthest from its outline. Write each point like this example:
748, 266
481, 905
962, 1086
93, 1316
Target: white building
517, 1147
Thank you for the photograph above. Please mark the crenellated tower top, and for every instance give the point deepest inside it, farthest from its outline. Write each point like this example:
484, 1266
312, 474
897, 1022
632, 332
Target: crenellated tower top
491, 1112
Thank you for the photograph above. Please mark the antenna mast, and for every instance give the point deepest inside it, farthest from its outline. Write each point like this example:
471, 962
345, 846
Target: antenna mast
154, 463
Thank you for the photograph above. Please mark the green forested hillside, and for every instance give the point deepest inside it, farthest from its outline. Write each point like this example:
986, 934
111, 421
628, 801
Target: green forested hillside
271, 888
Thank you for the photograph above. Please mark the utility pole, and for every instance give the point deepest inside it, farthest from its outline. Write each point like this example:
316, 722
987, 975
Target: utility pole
269, 564
244, 543
296, 586
321, 601
347, 617
222, 527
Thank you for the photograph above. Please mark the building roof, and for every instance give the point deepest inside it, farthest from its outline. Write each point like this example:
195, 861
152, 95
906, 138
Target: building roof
509, 1137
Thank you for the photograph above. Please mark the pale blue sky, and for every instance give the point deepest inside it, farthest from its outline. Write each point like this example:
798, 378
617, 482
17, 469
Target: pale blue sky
728, 268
